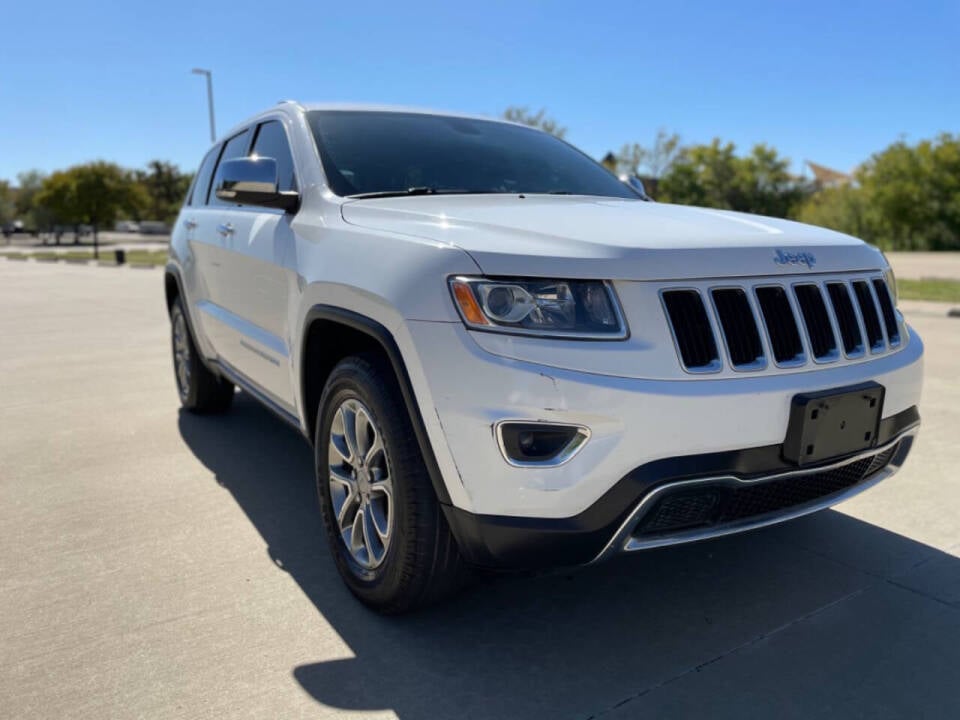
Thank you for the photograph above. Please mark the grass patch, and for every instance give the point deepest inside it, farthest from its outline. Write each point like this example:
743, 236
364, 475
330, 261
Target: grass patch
152, 258
147, 257
929, 289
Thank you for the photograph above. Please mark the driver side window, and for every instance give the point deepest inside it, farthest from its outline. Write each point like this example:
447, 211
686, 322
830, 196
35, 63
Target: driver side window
236, 147
272, 142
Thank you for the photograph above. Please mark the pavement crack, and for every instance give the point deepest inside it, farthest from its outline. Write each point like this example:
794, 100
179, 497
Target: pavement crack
732, 651
921, 593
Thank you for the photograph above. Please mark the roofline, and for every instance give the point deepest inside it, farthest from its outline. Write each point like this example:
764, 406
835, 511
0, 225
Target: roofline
292, 107
379, 107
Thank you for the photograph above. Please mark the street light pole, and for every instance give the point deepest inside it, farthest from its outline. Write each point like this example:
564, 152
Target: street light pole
209, 74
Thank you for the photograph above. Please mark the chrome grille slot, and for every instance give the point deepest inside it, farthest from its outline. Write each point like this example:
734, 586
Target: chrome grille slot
889, 314
691, 330
739, 328
846, 318
823, 344
781, 325
868, 311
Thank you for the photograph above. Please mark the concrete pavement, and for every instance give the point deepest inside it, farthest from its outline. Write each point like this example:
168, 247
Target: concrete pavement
156, 564
919, 265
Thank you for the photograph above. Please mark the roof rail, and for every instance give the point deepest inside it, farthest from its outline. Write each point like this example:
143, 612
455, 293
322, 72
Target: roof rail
290, 102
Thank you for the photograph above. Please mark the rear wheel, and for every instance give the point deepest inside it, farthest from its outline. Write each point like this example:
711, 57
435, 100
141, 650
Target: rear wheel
200, 390
388, 534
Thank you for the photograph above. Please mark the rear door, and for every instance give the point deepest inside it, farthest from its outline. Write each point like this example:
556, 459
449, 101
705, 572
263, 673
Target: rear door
200, 240
209, 236
257, 276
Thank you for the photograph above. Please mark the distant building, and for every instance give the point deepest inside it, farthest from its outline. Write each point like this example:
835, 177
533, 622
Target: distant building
828, 177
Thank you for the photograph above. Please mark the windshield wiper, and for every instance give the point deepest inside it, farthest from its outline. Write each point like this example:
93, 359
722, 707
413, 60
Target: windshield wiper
419, 190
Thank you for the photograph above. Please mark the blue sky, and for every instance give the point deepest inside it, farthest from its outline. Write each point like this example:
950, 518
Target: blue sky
826, 81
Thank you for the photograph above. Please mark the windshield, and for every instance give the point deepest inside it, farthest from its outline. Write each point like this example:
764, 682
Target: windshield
367, 152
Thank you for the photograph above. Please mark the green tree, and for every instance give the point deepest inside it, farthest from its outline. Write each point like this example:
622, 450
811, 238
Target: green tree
91, 194
765, 185
539, 119
715, 176
914, 192
906, 197
704, 175
650, 162
164, 187
7, 205
33, 215
844, 208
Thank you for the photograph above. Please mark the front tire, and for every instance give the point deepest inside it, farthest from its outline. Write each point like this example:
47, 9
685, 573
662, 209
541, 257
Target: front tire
389, 537
200, 390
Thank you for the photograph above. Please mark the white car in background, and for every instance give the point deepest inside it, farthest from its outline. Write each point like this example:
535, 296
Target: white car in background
504, 357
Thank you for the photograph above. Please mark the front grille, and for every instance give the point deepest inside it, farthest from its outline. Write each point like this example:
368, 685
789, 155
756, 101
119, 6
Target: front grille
811, 318
691, 330
781, 324
815, 318
716, 505
871, 320
846, 318
739, 327
889, 315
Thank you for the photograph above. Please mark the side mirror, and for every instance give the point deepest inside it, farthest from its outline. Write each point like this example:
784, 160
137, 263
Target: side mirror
253, 181
636, 184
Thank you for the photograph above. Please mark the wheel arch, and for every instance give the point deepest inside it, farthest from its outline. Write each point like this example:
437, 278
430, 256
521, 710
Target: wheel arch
172, 285
331, 333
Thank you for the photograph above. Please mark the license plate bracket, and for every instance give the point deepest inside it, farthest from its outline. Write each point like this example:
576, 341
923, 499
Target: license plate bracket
833, 423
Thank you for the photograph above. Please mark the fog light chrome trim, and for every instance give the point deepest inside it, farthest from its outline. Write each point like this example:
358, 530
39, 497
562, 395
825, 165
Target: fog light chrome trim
566, 454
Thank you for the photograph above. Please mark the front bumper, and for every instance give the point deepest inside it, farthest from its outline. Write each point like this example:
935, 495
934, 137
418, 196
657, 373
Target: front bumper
644, 434
617, 522
463, 391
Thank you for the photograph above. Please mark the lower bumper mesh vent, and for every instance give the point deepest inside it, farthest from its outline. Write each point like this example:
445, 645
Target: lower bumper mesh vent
711, 505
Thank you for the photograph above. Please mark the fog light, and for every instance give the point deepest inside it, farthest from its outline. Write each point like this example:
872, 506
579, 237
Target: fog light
529, 444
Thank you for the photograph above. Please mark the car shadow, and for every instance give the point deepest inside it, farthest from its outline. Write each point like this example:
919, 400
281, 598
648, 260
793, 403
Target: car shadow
606, 638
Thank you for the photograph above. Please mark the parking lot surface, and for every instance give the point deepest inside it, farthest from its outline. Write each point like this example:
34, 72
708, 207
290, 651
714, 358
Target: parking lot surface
160, 565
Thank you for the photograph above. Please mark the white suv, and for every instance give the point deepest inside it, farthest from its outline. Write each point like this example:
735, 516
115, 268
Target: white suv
505, 357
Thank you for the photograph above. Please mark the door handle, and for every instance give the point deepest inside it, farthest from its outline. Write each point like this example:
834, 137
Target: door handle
225, 229
190, 224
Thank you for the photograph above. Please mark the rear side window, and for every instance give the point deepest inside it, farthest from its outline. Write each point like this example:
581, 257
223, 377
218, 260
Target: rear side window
272, 142
236, 147
201, 185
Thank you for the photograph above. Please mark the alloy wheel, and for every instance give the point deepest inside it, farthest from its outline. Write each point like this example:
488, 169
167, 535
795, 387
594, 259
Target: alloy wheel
361, 488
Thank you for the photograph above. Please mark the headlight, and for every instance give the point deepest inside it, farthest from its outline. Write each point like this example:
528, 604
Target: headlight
890, 278
892, 284
586, 309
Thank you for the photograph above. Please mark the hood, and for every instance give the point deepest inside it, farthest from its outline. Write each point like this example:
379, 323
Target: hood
591, 237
